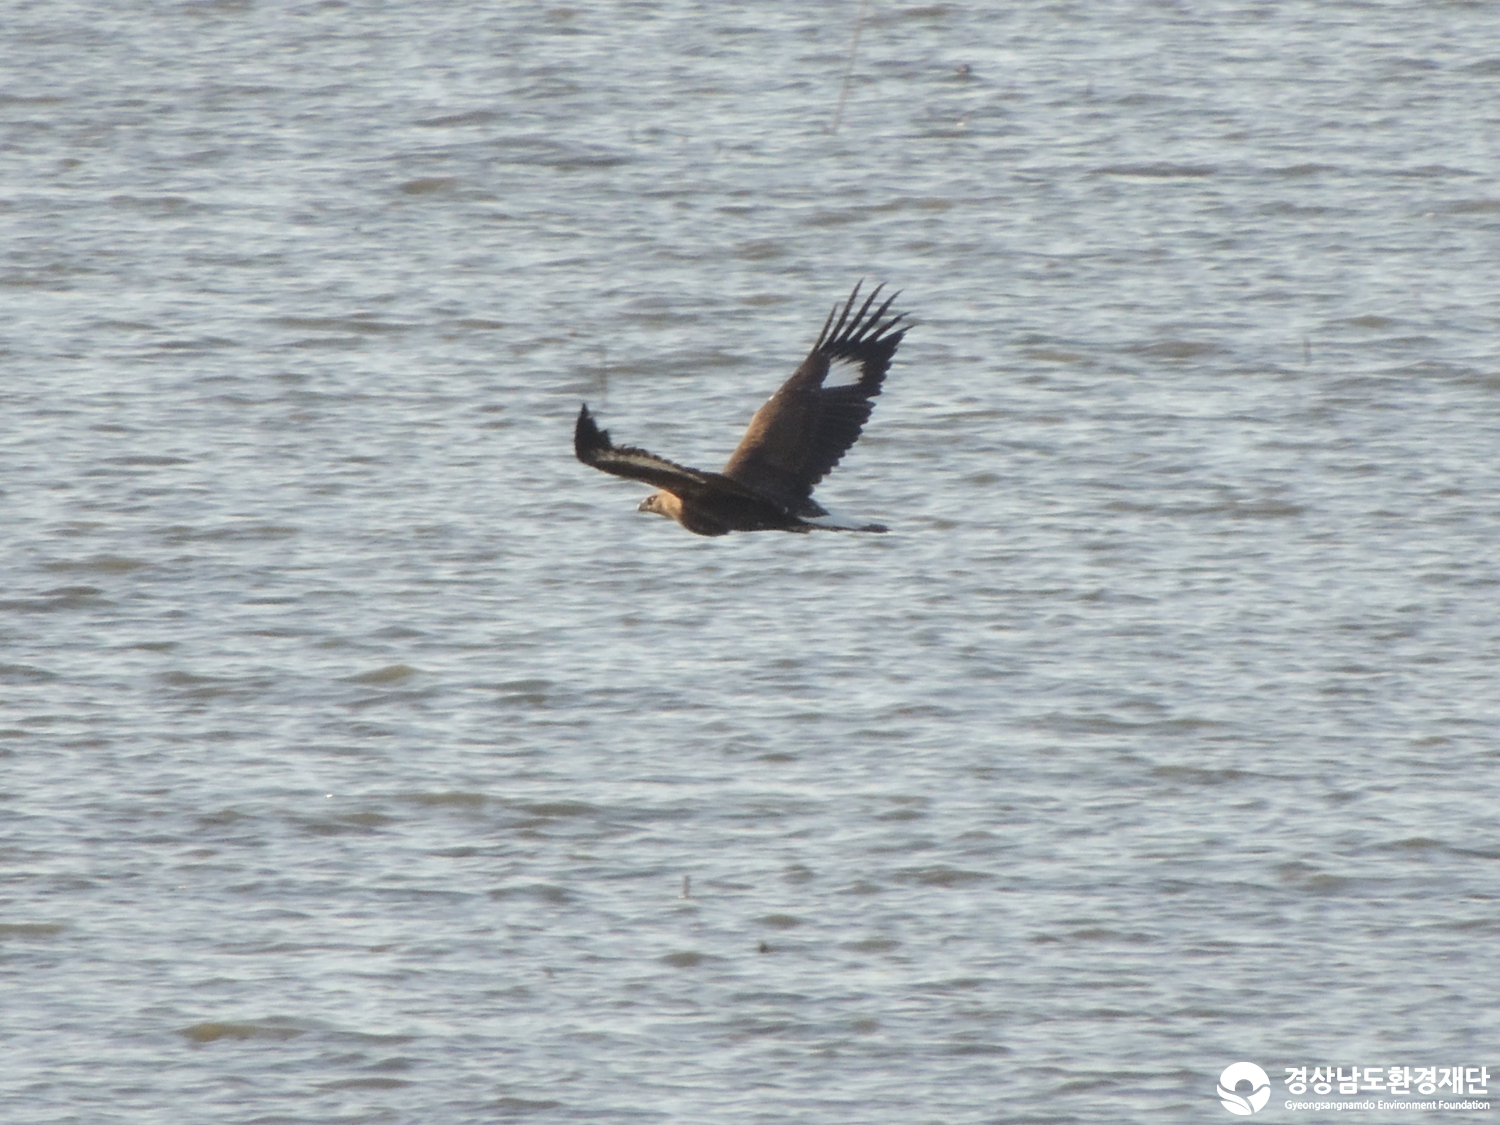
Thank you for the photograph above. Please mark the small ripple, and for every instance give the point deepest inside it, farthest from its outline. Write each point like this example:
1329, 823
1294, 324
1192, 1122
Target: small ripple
390, 674
941, 876
212, 1032
30, 930
1157, 171
97, 564
24, 673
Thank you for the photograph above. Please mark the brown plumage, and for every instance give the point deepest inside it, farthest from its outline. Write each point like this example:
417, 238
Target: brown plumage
794, 440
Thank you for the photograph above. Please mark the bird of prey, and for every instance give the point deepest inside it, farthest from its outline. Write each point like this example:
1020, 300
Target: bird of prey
794, 440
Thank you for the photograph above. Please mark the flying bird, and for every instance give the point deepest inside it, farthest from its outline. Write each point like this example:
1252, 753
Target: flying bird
793, 442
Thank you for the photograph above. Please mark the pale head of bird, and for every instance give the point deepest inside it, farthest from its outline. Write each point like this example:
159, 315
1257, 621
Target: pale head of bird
663, 504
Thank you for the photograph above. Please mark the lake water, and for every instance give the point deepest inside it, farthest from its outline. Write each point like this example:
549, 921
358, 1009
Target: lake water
368, 759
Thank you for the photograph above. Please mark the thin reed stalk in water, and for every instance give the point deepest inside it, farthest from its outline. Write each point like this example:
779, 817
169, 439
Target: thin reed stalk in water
859, 23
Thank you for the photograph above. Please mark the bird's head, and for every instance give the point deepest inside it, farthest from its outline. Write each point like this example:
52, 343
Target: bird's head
663, 504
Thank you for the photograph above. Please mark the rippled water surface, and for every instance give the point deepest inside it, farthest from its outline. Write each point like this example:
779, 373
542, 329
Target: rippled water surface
367, 759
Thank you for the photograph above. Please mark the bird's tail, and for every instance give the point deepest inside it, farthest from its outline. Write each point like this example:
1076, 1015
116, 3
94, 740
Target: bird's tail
833, 521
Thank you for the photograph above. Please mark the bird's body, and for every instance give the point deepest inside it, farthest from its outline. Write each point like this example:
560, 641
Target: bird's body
793, 441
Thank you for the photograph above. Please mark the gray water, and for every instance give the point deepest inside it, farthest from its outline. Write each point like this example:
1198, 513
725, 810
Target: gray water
358, 741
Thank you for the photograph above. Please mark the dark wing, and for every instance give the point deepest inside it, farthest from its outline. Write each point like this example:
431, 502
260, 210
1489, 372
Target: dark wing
805, 428
593, 447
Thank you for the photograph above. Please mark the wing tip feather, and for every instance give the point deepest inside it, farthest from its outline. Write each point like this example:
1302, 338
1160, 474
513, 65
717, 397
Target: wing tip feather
589, 441
864, 328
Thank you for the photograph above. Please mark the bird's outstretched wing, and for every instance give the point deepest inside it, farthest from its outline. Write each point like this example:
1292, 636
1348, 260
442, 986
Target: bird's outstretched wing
805, 428
593, 447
